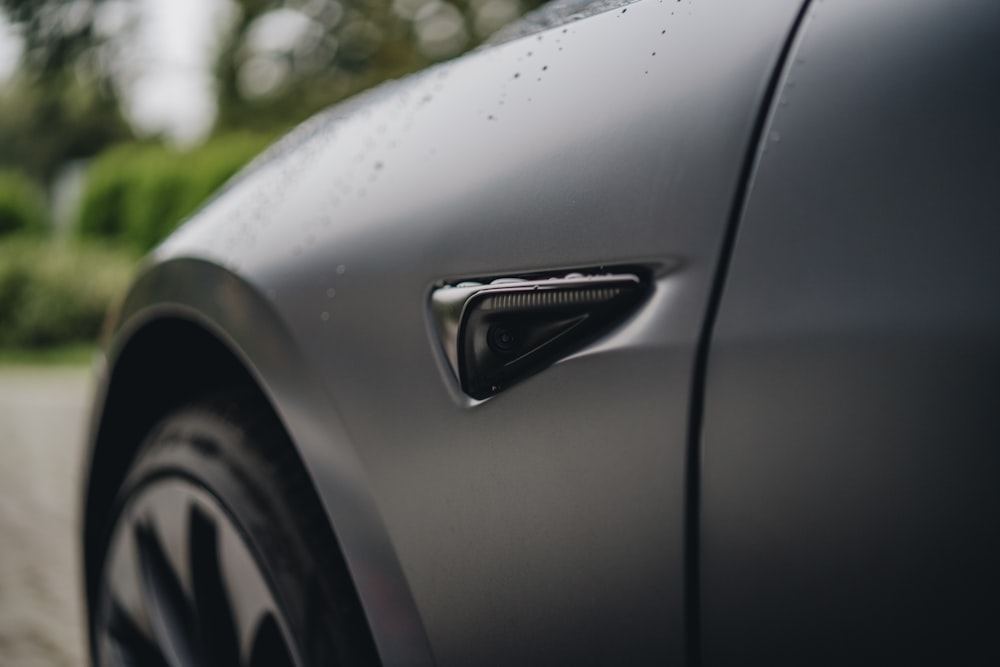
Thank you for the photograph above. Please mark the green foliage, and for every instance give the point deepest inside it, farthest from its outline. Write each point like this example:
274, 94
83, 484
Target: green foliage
22, 204
345, 46
62, 103
57, 294
56, 33
71, 354
137, 194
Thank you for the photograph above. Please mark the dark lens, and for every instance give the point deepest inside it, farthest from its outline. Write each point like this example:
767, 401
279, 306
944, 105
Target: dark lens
502, 338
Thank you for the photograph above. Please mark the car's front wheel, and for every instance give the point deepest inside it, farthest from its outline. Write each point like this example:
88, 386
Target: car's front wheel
218, 552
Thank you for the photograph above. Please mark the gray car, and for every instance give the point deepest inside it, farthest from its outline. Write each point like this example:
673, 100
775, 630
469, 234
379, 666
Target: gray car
658, 333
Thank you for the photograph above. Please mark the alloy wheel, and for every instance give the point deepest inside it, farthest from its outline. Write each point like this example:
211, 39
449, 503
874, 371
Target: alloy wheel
182, 587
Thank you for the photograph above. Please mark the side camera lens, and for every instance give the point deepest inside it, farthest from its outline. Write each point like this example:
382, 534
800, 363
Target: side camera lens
502, 339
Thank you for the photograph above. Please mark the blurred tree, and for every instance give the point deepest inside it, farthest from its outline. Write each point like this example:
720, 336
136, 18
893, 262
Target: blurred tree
61, 105
55, 33
284, 60
281, 61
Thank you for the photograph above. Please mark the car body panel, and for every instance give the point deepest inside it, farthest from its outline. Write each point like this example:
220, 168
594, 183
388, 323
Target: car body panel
850, 446
545, 525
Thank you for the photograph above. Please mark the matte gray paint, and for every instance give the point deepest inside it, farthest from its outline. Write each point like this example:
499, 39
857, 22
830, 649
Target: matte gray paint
850, 451
545, 526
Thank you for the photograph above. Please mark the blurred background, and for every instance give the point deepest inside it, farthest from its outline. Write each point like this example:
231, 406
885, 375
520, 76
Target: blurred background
118, 118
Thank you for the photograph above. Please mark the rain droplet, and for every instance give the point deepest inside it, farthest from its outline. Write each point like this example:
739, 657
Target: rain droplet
330, 293
775, 137
544, 67
341, 269
325, 316
517, 75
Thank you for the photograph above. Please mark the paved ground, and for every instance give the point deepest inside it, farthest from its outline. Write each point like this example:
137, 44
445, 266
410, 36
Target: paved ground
42, 417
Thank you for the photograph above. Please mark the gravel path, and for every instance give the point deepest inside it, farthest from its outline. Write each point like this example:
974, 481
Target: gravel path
42, 419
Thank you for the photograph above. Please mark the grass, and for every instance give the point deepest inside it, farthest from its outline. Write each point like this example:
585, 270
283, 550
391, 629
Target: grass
75, 354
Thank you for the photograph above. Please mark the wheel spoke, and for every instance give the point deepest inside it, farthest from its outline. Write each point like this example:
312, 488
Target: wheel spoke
251, 599
126, 643
183, 588
123, 582
169, 611
269, 646
212, 603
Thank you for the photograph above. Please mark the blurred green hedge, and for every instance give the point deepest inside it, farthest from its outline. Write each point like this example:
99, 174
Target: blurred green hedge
53, 294
55, 291
137, 194
23, 207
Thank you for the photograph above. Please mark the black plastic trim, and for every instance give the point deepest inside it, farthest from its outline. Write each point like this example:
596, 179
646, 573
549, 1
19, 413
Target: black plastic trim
498, 333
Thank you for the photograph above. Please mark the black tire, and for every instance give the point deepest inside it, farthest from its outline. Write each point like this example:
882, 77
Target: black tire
215, 523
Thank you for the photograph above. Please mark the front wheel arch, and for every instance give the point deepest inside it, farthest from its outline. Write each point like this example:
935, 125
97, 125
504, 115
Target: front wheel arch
168, 362
190, 326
